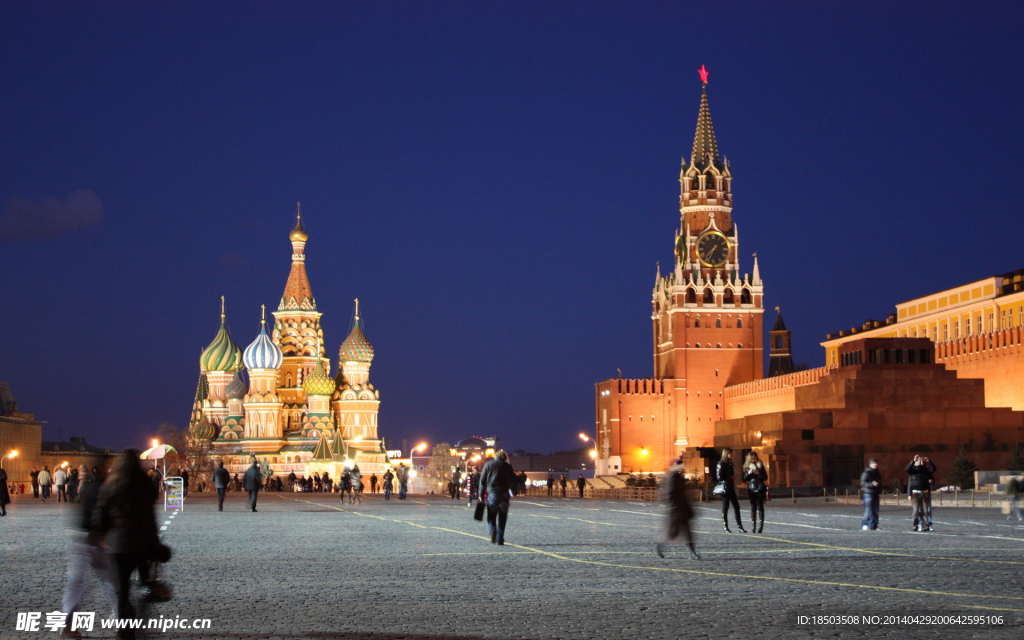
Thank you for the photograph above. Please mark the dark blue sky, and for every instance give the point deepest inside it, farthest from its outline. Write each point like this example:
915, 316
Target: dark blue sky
494, 181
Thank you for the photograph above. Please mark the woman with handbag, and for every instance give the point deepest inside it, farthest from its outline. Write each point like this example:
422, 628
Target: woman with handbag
756, 477
727, 474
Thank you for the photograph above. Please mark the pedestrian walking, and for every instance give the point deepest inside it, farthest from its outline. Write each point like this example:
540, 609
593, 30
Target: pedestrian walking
581, 484
86, 551
45, 481
60, 484
221, 479
918, 486
870, 487
756, 477
727, 473
253, 482
673, 489
34, 474
563, 483
183, 474
927, 496
389, 479
373, 483
403, 481
357, 485
73, 482
497, 480
551, 484
1013, 491
5, 495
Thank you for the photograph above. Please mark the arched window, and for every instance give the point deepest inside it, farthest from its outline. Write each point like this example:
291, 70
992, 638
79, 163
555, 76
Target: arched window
728, 299
778, 342
696, 322
718, 323
739, 323
691, 296
745, 296
709, 296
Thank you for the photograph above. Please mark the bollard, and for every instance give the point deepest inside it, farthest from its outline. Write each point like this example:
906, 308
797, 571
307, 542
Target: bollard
990, 498
972, 497
794, 495
956, 498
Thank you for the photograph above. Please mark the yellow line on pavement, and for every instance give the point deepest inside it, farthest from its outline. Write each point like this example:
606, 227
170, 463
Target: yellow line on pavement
722, 574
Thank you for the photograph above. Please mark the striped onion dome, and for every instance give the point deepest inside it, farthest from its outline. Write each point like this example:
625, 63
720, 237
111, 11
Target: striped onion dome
222, 354
203, 430
237, 388
356, 347
263, 353
318, 383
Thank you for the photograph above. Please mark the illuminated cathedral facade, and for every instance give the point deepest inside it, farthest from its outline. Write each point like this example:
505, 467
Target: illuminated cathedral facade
277, 400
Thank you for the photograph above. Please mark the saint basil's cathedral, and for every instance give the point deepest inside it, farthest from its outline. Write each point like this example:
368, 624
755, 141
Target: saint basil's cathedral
291, 412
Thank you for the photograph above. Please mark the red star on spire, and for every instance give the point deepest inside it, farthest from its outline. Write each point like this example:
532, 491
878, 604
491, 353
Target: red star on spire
703, 74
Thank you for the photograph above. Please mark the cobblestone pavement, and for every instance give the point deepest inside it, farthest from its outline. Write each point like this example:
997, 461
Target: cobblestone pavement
307, 566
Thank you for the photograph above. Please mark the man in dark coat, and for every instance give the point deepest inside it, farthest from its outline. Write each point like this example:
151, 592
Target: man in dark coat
920, 470
5, 496
581, 484
871, 487
221, 478
497, 479
252, 483
184, 480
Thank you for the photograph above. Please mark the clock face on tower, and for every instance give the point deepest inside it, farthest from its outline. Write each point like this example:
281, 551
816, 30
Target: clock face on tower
712, 249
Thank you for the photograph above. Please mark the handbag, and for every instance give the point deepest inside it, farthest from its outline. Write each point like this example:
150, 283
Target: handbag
719, 488
478, 513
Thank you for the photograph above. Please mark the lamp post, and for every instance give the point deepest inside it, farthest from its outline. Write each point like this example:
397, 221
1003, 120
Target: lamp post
12, 454
593, 452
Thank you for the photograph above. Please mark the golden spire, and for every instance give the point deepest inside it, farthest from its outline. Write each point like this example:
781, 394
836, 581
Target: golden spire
263, 316
357, 309
222, 309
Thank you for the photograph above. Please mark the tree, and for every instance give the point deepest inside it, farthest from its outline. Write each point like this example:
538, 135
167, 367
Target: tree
193, 455
440, 467
962, 473
1017, 460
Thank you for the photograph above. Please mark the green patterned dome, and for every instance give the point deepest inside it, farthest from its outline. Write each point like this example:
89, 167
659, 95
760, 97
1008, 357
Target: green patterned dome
356, 347
222, 354
318, 383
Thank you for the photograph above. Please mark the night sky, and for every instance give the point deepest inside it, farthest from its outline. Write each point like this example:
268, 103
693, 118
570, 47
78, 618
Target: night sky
494, 181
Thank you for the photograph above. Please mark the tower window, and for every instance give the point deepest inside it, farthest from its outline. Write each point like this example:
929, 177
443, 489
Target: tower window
739, 323
696, 322
778, 342
718, 323
745, 296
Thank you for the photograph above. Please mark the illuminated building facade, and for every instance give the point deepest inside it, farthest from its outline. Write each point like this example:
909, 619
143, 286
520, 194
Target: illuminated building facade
290, 412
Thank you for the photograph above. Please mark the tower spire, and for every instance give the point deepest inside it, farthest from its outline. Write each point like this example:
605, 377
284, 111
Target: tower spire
705, 146
263, 316
222, 310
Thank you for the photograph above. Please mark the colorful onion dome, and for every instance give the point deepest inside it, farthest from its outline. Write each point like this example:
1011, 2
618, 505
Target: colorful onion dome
203, 430
298, 234
356, 347
263, 353
318, 383
222, 354
237, 388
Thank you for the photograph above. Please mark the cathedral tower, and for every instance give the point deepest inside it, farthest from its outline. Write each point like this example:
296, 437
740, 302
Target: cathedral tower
262, 404
297, 332
218, 363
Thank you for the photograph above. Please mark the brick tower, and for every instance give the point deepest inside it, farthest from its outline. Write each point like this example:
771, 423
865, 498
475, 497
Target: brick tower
707, 327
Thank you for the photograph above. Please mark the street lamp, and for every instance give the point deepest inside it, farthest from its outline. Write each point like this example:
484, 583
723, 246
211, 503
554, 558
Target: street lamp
10, 455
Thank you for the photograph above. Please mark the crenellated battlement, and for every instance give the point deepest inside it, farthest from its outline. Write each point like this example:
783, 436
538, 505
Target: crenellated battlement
640, 386
983, 345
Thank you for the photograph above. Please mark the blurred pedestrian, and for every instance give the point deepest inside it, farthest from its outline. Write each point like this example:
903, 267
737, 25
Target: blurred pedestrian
1013, 491
5, 495
551, 483
870, 486
403, 481
183, 474
497, 480
756, 477
73, 481
373, 483
581, 484
357, 485
679, 510
727, 473
124, 514
253, 482
85, 551
563, 483
221, 479
34, 475
927, 496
